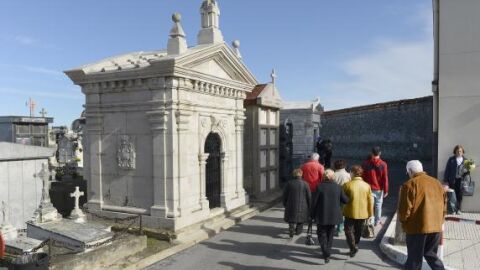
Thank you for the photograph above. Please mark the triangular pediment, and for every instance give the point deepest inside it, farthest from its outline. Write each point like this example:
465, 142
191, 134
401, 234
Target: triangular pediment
218, 61
213, 68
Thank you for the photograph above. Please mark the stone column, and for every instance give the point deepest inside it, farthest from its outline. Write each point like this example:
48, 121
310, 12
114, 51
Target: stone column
183, 151
94, 146
158, 120
202, 159
239, 121
223, 179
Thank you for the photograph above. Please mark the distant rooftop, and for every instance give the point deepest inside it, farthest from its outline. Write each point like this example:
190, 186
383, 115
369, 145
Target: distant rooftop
25, 119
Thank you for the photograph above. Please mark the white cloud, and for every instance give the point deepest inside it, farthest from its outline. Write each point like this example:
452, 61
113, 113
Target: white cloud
392, 69
47, 94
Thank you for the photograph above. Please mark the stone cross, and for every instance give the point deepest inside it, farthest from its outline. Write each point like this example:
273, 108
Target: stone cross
274, 77
77, 194
43, 112
44, 174
4, 213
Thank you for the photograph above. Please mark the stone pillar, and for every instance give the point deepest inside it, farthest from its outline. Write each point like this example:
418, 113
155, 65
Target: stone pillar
94, 171
183, 151
239, 121
224, 179
202, 159
158, 125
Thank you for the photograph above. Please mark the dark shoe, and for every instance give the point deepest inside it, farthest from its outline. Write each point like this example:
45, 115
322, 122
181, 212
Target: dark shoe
327, 260
353, 252
290, 234
337, 233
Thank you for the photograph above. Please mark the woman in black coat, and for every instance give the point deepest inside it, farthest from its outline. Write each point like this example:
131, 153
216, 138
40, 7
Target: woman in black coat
455, 172
327, 211
296, 200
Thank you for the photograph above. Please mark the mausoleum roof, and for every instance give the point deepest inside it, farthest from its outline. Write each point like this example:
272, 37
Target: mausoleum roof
264, 95
16, 151
303, 105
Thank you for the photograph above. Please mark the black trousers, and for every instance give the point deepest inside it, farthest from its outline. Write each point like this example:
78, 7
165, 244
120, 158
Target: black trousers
423, 245
295, 227
457, 186
325, 238
353, 231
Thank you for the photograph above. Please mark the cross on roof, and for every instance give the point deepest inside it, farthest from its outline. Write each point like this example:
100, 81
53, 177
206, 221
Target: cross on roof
31, 105
43, 112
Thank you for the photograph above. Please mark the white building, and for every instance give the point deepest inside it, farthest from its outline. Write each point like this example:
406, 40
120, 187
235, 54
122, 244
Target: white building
164, 129
456, 85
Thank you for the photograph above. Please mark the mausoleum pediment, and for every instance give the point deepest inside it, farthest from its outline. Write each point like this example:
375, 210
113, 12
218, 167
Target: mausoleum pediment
216, 60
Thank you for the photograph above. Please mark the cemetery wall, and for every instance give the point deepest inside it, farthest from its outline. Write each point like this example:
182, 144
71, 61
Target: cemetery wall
403, 129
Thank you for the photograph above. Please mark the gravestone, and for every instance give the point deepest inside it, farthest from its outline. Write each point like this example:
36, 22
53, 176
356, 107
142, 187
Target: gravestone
77, 215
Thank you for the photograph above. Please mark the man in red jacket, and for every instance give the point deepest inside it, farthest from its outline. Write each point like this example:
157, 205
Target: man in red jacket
313, 172
375, 172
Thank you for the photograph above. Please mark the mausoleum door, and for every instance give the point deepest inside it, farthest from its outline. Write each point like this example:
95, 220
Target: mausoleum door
213, 169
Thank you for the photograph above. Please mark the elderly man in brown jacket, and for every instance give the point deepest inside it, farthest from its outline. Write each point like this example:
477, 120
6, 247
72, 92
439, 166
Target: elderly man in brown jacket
422, 208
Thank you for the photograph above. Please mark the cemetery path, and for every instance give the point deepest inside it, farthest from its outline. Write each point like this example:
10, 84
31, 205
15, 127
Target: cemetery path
262, 243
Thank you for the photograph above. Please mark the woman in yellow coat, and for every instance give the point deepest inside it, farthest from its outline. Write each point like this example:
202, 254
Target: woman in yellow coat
358, 210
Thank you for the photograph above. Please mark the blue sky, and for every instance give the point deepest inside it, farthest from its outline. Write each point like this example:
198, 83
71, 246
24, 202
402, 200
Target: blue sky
347, 52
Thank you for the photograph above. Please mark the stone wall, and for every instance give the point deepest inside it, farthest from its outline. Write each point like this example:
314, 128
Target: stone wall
403, 129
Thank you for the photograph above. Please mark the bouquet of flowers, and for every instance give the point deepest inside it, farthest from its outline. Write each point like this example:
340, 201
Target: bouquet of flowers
469, 165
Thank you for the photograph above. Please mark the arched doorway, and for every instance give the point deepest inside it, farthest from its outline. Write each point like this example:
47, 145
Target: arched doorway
213, 169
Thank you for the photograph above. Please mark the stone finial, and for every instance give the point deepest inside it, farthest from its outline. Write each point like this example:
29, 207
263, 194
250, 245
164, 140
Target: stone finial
177, 44
236, 48
210, 32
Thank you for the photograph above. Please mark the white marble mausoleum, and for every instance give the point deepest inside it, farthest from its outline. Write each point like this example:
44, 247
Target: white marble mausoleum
164, 129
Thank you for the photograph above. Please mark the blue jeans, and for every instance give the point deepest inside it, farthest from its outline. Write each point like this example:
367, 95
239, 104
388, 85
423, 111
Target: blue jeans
377, 204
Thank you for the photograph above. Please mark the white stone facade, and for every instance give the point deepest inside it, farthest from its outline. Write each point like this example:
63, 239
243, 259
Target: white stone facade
148, 116
456, 86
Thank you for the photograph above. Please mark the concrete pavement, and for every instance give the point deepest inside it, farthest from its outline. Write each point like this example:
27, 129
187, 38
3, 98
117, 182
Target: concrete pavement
262, 243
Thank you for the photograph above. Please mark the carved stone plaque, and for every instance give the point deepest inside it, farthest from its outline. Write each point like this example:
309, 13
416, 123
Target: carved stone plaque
126, 154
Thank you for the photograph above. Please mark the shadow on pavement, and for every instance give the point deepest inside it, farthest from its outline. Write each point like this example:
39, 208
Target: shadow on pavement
267, 250
236, 266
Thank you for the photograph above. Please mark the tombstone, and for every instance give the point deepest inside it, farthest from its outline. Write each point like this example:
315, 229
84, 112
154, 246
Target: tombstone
150, 118
8, 231
261, 165
77, 214
45, 211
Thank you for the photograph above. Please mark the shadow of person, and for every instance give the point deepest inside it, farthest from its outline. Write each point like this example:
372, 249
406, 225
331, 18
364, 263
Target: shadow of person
267, 250
237, 266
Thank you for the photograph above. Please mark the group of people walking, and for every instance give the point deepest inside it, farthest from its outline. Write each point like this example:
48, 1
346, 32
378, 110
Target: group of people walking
336, 198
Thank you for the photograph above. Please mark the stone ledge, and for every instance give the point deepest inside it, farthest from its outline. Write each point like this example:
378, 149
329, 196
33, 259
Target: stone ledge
396, 253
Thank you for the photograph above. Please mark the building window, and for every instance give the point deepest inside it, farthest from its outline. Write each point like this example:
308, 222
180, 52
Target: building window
273, 136
273, 118
263, 159
273, 157
263, 182
263, 136
273, 179
23, 129
262, 119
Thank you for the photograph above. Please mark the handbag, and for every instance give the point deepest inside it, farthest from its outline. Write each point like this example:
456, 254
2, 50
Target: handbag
309, 241
368, 230
468, 186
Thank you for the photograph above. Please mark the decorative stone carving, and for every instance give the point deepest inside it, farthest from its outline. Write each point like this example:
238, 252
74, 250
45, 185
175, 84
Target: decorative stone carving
126, 154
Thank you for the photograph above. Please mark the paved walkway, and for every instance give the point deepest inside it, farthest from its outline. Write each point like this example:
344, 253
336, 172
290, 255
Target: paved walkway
462, 243
262, 243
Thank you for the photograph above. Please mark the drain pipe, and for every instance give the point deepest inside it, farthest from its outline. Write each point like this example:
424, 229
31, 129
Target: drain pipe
435, 83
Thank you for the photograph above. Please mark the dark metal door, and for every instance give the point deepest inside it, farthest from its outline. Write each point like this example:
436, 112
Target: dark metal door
213, 169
